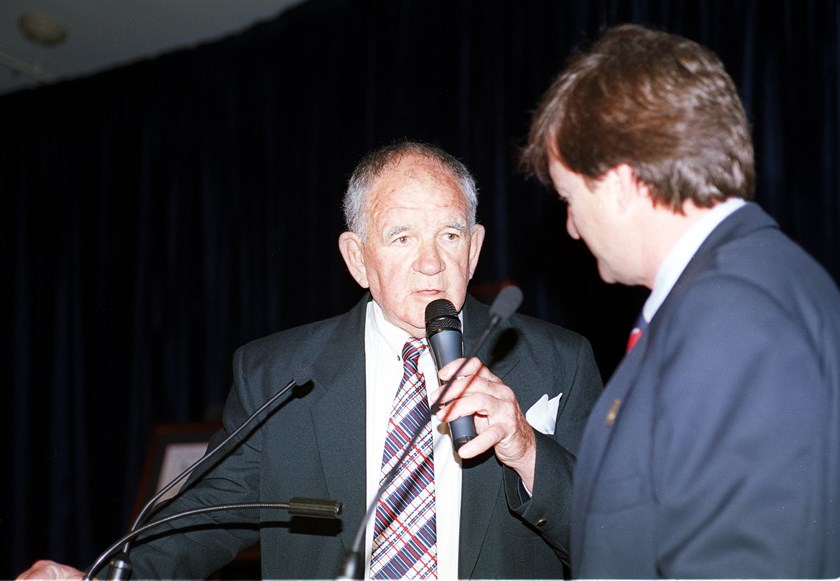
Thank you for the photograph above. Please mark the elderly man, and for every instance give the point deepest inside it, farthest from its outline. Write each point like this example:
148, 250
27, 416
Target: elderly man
714, 450
498, 508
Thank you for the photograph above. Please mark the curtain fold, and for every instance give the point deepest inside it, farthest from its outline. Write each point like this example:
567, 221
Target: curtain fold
161, 214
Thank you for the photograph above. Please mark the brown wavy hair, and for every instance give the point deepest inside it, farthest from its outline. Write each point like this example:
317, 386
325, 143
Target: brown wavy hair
658, 102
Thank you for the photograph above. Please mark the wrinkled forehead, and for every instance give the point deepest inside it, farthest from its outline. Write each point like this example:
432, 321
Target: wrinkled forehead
415, 182
415, 167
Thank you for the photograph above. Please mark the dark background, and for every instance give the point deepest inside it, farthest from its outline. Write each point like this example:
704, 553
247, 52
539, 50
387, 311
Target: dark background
157, 216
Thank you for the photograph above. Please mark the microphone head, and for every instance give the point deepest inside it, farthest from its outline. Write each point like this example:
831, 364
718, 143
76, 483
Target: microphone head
303, 375
506, 303
441, 315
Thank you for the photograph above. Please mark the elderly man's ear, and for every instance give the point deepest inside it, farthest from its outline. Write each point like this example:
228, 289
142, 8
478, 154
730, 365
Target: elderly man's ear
476, 241
352, 251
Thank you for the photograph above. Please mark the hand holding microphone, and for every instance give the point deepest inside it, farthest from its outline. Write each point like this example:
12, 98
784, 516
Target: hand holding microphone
443, 332
474, 395
479, 394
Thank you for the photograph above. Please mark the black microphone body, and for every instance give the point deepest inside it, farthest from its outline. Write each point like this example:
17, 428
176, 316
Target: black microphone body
443, 332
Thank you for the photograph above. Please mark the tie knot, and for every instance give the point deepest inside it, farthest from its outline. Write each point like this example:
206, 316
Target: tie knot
412, 349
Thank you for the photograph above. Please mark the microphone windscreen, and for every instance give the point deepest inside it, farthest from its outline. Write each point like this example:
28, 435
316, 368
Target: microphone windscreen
303, 375
506, 302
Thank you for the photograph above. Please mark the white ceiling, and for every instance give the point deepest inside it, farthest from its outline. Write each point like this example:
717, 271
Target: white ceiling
103, 34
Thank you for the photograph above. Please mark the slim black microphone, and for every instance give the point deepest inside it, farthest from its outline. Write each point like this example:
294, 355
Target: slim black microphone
120, 566
506, 303
443, 332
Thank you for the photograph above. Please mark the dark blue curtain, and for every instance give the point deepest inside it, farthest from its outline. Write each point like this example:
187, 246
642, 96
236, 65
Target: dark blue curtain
159, 215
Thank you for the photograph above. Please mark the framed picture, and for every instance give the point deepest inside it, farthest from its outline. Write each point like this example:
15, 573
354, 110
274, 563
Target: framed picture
172, 449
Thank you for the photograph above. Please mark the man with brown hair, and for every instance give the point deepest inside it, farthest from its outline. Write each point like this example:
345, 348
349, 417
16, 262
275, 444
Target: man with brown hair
714, 450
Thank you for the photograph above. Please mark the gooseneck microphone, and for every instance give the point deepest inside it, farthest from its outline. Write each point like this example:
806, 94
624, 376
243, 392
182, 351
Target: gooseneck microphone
506, 303
120, 565
297, 506
443, 332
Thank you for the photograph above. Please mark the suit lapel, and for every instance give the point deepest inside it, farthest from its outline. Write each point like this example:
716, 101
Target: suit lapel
339, 375
598, 434
481, 480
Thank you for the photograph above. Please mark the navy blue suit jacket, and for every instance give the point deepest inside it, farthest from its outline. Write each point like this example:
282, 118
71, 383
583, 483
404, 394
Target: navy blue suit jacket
714, 450
314, 446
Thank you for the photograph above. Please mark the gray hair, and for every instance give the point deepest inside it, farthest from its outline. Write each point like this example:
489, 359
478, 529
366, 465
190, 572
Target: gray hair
373, 165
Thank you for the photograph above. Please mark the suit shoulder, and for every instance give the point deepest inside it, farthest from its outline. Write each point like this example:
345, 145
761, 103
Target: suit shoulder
540, 330
541, 342
287, 345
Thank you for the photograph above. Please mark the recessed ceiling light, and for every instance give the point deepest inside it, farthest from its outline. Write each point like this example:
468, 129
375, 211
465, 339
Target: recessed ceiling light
42, 29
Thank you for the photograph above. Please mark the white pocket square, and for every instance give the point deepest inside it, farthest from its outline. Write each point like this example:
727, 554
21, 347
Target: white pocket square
543, 415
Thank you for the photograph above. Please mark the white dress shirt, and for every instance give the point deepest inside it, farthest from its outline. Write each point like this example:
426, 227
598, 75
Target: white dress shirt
384, 369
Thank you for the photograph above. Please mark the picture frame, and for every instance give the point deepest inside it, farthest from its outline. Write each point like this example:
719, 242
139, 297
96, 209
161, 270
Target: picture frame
172, 448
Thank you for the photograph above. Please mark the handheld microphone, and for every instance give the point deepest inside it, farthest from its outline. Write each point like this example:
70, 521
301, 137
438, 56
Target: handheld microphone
443, 332
120, 565
506, 303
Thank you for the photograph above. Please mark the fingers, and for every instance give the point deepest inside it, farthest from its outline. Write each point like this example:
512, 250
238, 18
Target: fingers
471, 366
492, 404
486, 439
472, 395
50, 570
500, 423
474, 391
469, 372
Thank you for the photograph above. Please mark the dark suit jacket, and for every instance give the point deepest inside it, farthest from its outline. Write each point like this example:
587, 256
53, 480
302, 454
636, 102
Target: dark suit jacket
714, 450
314, 446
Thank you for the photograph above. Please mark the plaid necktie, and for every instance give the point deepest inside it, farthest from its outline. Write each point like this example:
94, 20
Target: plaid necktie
404, 532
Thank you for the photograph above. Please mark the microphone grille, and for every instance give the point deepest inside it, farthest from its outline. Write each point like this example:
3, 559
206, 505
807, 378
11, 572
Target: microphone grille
441, 314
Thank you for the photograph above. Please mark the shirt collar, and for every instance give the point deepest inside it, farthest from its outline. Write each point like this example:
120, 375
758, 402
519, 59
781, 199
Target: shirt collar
394, 337
683, 251
391, 335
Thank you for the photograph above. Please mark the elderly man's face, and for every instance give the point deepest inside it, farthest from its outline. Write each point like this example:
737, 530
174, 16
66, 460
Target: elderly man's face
418, 247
